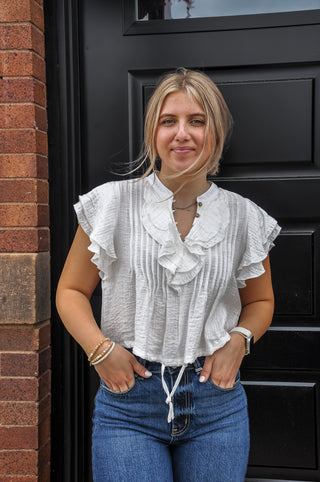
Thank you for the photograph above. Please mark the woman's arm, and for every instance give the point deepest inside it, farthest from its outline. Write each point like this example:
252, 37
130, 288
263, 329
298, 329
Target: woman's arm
257, 301
78, 280
256, 315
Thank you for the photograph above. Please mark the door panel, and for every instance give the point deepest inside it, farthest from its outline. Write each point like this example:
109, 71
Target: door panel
290, 349
267, 67
275, 445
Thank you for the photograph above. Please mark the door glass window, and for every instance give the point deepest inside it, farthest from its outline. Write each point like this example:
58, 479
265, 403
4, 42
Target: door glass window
178, 9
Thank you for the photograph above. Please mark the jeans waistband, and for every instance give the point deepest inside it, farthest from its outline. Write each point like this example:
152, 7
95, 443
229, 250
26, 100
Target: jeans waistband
155, 367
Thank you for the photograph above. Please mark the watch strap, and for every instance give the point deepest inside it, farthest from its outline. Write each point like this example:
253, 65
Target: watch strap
247, 335
242, 331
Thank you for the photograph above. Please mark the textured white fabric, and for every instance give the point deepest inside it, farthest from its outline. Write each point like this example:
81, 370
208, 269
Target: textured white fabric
172, 301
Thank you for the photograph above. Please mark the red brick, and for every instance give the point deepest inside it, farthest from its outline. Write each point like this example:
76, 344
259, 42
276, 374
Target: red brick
22, 37
44, 408
44, 432
24, 191
37, 41
24, 215
17, 116
37, 17
23, 116
23, 165
24, 240
44, 360
19, 364
19, 413
22, 63
44, 455
15, 12
44, 384
44, 474
21, 478
13, 338
44, 335
15, 36
25, 364
19, 389
16, 438
22, 11
25, 413
23, 140
29, 389
17, 462
22, 90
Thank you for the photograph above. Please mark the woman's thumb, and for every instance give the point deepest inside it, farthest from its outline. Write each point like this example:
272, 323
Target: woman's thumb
206, 370
141, 370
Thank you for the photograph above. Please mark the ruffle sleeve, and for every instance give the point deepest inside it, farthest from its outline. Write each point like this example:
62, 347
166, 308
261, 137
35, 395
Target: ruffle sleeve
260, 232
97, 214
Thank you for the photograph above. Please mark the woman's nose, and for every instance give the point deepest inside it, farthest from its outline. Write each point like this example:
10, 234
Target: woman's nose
182, 131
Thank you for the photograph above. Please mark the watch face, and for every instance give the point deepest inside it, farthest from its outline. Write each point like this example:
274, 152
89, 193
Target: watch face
250, 343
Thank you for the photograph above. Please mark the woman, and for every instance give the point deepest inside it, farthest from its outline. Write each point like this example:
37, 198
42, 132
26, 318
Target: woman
186, 289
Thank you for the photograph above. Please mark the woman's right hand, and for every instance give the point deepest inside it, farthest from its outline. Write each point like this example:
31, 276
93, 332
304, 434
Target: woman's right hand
118, 369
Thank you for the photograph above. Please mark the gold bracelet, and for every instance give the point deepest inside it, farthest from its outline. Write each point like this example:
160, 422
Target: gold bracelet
104, 356
98, 357
94, 351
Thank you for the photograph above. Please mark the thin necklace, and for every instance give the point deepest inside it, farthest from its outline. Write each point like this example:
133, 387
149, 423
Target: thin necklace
187, 207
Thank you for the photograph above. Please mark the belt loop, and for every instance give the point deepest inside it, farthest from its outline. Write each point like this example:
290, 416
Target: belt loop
197, 365
142, 361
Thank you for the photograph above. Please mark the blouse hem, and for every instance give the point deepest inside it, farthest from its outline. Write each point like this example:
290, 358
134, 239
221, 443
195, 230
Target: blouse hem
174, 363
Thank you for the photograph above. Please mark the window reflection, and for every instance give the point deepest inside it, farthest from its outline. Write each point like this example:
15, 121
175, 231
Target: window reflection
177, 9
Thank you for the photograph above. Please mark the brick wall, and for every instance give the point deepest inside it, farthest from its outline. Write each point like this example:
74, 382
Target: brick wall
24, 246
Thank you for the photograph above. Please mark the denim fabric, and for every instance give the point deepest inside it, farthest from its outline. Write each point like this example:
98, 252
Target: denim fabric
208, 440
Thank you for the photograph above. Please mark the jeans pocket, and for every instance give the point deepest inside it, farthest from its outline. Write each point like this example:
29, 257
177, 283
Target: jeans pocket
221, 389
106, 389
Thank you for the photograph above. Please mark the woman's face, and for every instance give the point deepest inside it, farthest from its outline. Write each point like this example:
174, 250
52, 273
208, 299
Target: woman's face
180, 134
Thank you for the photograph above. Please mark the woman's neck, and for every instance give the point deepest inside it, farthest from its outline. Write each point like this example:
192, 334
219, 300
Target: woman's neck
186, 190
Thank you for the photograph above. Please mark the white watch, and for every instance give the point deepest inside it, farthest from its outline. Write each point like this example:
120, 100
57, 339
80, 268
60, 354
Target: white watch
247, 335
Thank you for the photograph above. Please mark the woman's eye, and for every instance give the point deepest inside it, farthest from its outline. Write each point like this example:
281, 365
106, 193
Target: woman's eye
198, 122
167, 121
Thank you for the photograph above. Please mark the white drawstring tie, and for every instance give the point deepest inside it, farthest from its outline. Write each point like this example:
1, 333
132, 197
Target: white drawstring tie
166, 389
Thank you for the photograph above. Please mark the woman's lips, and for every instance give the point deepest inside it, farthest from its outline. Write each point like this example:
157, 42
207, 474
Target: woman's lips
182, 150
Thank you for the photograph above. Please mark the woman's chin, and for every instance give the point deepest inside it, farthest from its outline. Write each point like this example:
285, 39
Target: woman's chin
180, 168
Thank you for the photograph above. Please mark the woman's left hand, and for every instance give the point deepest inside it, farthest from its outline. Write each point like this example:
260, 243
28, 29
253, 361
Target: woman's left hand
223, 365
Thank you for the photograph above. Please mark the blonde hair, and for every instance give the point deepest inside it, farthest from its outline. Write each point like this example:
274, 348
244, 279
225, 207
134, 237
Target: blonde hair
202, 90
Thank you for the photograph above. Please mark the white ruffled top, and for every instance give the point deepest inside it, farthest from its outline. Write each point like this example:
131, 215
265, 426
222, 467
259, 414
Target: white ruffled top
172, 300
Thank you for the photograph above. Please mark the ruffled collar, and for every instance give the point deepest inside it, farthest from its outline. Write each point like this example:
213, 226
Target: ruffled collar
183, 260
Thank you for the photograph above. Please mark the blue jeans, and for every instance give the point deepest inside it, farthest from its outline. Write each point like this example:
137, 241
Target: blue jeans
207, 441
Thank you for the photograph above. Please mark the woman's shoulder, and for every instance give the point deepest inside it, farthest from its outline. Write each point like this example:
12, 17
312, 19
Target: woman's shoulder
243, 209
247, 214
234, 199
114, 191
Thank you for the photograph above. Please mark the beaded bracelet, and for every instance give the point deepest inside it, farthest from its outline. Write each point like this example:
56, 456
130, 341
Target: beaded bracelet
103, 357
94, 351
100, 355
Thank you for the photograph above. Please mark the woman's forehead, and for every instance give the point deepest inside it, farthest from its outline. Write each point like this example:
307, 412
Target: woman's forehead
181, 100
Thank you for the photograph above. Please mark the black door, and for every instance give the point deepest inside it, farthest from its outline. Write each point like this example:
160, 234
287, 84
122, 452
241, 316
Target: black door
267, 66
